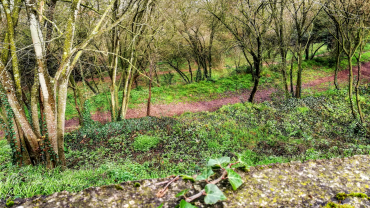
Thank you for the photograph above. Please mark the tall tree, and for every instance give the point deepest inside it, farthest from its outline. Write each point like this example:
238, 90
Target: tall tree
351, 18
303, 13
48, 147
249, 23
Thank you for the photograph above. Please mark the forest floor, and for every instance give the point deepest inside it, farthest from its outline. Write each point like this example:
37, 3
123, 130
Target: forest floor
225, 99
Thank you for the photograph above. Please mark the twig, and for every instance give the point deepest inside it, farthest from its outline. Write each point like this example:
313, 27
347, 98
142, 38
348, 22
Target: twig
203, 192
163, 191
161, 183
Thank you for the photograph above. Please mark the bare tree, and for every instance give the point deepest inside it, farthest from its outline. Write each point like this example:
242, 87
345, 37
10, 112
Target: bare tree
351, 18
303, 13
48, 147
249, 22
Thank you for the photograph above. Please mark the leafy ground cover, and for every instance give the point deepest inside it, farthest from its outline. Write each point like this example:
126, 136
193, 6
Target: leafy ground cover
227, 79
318, 126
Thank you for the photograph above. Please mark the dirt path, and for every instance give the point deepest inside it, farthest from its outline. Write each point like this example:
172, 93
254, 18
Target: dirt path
180, 108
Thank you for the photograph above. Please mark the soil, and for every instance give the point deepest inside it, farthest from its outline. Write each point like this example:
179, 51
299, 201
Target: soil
180, 108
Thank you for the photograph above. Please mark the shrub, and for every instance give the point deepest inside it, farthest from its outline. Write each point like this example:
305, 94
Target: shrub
145, 142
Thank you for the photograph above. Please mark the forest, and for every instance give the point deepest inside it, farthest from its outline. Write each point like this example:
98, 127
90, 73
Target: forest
102, 92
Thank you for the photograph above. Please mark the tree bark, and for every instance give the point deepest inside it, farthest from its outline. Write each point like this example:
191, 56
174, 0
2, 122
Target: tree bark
291, 76
150, 88
350, 86
357, 90
298, 90
337, 66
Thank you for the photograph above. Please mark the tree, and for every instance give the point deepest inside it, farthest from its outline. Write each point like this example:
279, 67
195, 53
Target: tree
282, 30
249, 23
36, 143
303, 14
351, 18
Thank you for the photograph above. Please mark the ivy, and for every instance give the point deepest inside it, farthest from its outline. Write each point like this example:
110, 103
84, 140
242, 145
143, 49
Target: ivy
9, 128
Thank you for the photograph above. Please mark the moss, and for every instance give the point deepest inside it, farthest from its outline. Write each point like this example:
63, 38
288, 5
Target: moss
9, 203
359, 195
137, 184
343, 196
118, 187
335, 205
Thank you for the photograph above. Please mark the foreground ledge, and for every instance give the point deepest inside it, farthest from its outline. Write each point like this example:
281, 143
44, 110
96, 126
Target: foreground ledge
295, 184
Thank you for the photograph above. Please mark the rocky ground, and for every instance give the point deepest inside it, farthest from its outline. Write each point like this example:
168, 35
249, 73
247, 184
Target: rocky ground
295, 184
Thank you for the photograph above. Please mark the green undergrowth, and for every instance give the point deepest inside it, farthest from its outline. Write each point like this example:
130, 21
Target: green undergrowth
315, 127
225, 82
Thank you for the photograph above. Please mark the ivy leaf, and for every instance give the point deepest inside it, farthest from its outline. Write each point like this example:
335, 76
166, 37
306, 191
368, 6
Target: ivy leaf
242, 163
185, 204
234, 178
160, 206
205, 174
186, 177
214, 194
182, 193
219, 161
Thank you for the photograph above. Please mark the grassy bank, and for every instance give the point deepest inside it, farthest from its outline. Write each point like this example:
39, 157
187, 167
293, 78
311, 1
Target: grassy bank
315, 127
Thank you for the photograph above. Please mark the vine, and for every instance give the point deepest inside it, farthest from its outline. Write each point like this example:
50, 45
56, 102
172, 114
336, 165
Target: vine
212, 193
86, 115
9, 129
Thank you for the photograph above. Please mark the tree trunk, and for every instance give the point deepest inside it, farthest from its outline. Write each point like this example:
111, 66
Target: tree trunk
62, 101
257, 74
190, 71
150, 88
350, 86
291, 76
299, 76
358, 86
34, 107
75, 95
337, 65
307, 52
113, 87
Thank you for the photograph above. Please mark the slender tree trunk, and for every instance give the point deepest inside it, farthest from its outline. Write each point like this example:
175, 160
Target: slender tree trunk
299, 76
307, 52
49, 31
113, 88
350, 86
62, 102
34, 107
291, 76
254, 90
150, 88
25, 159
337, 65
257, 65
190, 71
314, 52
357, 90
127, 87
76, 95
14, 59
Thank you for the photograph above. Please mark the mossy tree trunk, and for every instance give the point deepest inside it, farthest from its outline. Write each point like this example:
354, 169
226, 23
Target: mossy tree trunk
46, 146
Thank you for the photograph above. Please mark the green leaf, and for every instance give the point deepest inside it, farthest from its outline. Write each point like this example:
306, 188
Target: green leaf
182, 193
219, 161
205, 174
160, 206
214, 194
186, 177
185, 204
242, 163
234, 178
